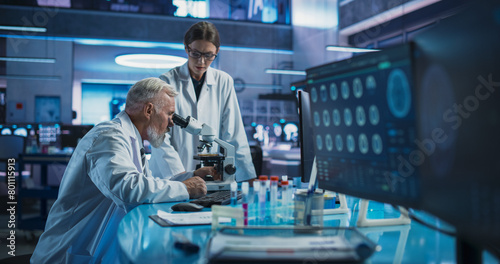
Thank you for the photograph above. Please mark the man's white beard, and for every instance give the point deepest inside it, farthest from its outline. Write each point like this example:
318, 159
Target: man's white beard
156, 139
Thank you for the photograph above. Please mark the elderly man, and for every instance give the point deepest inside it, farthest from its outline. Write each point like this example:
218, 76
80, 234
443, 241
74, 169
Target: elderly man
108, 175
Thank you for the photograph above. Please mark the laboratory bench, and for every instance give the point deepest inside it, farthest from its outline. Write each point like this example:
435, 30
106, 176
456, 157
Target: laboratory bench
141, 240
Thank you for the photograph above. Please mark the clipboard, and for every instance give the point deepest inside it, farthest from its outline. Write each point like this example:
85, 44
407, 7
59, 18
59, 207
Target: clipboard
289, 245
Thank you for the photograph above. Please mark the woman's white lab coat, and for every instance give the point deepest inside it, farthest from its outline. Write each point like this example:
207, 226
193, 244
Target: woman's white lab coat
217, 107
103, 181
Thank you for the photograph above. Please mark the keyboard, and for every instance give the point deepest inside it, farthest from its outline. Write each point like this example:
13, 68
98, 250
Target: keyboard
217, 198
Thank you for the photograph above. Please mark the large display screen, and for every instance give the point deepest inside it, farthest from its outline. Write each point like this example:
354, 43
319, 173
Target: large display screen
363, 119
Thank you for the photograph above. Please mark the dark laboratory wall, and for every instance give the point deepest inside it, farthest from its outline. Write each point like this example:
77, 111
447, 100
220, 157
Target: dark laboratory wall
359, 10
3, 107
399, 30
69, 23
3, 44
27, 81
276, 12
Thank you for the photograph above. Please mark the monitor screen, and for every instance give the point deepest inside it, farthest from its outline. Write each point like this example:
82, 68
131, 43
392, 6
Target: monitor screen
362, 114
21, 131
305, 135
5, 131
418, 125
71, 134
48, 134
457, 80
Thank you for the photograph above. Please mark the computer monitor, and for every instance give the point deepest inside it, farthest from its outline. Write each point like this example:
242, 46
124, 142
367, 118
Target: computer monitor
15, 129
305, 135
21, 131
71, 134
418, 125
5, 131
457, 80
49, 134
363, 120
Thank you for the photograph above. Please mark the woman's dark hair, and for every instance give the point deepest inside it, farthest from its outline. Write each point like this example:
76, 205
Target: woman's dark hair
202, 31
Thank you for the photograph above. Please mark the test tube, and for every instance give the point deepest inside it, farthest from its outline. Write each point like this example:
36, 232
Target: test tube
284, 177
244, 202
286, 198
274, 199
234, 193
254, 208
256, 191
268, 187
262, 199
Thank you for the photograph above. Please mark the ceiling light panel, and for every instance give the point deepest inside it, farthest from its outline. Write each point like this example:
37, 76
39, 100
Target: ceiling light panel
150, 61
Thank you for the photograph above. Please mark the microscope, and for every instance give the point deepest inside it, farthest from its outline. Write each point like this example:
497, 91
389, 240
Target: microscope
223, 163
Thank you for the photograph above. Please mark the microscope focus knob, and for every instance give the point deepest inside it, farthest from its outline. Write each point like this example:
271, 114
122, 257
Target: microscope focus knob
230, 169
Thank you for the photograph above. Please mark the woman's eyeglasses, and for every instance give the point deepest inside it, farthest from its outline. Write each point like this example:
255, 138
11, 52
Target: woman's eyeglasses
197, 55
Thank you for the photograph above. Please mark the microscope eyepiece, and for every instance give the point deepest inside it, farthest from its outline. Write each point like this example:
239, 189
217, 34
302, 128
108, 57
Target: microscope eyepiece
178, 120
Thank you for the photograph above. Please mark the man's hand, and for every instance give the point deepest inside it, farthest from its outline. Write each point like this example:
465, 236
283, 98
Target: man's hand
204, 171
196, 187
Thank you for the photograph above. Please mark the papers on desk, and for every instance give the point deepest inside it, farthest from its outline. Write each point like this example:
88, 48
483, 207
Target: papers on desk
197, 218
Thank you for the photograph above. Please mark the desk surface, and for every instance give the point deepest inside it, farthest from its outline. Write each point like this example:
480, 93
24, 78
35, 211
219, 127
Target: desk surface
141, 240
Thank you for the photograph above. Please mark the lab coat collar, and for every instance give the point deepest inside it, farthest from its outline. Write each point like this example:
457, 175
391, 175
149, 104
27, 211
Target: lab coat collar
135, 139
209, 78
185, 76
130, 127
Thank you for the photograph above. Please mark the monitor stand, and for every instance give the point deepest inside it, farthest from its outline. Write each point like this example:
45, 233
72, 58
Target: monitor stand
342, 209
363, 221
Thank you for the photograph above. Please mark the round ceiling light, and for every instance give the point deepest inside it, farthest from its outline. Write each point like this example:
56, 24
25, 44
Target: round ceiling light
150, 61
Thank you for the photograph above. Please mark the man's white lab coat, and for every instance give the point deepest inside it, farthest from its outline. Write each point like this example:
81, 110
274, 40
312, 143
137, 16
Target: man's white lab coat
217, 107
103, 181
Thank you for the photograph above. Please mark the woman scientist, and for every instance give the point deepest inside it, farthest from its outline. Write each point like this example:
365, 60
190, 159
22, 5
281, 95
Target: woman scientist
207, 95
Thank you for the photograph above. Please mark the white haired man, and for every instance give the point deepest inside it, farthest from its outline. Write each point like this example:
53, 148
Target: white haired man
108, 175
